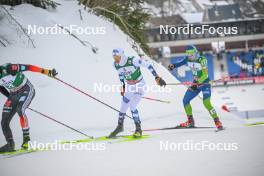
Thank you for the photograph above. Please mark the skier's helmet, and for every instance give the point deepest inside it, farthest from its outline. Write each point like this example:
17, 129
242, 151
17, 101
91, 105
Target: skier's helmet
192, 52
118, 52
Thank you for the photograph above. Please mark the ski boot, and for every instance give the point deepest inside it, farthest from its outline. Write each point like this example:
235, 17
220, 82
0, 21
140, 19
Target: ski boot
25, 144
138, 132
119, 128
189, 123
9, 147
218, 124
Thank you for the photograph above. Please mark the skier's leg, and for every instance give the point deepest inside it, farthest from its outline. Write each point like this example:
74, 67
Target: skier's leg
125, 102
206, 90
123, 109
8, 113
24, 101
133, 107
140, 91
189, 95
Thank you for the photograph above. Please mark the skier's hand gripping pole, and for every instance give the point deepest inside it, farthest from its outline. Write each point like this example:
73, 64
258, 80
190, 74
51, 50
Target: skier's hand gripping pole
160, 81
50, 73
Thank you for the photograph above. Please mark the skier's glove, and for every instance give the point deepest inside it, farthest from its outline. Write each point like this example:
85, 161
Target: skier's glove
160, 81
194, 86
123, 89
171, 67
50, 73
12, 69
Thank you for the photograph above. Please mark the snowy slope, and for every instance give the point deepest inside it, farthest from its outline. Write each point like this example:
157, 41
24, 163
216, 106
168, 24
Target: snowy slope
79, 66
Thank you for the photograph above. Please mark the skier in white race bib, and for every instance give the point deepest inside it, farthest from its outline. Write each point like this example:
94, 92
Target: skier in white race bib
132, 82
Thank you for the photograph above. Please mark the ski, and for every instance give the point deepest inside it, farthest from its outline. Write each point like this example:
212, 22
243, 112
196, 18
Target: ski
18, 152
128, 138
176, 127
254, 124
120, 138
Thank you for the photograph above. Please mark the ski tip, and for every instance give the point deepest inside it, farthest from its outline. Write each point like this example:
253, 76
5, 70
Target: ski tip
255, 124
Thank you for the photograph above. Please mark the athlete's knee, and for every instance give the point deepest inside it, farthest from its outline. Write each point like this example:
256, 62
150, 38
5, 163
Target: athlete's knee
207, 103
121, 114
4, 122
185, 101
134, 111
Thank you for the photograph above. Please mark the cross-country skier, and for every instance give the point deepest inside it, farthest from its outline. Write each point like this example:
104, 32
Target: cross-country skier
19, 92
132, 82
201, 82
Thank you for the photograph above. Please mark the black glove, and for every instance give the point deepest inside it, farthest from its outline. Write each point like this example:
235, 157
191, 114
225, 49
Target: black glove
171, 67
160, 81
12, 69
123, 89
53, 73
194, 85
50, 73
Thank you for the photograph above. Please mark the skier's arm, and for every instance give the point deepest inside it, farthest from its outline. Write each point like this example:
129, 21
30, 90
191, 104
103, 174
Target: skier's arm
178, 64
4, 91
15, 68
204, 76
122, 81
142, 63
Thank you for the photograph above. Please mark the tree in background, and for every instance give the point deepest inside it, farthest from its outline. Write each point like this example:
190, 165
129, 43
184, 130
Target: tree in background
129, 15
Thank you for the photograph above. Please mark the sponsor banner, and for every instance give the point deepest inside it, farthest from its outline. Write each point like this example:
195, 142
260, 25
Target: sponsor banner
239, 81
259, 79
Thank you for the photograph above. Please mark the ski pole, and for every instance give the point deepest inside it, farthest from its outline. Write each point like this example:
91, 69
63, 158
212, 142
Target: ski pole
44, 115
84, 93
153, 99
180, 83
191, 83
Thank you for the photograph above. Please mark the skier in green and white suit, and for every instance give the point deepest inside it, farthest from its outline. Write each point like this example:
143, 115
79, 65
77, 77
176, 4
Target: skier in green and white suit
132, 81
201, 83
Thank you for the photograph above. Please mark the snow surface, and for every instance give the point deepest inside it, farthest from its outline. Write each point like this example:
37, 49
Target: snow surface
79, 66
243, 98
